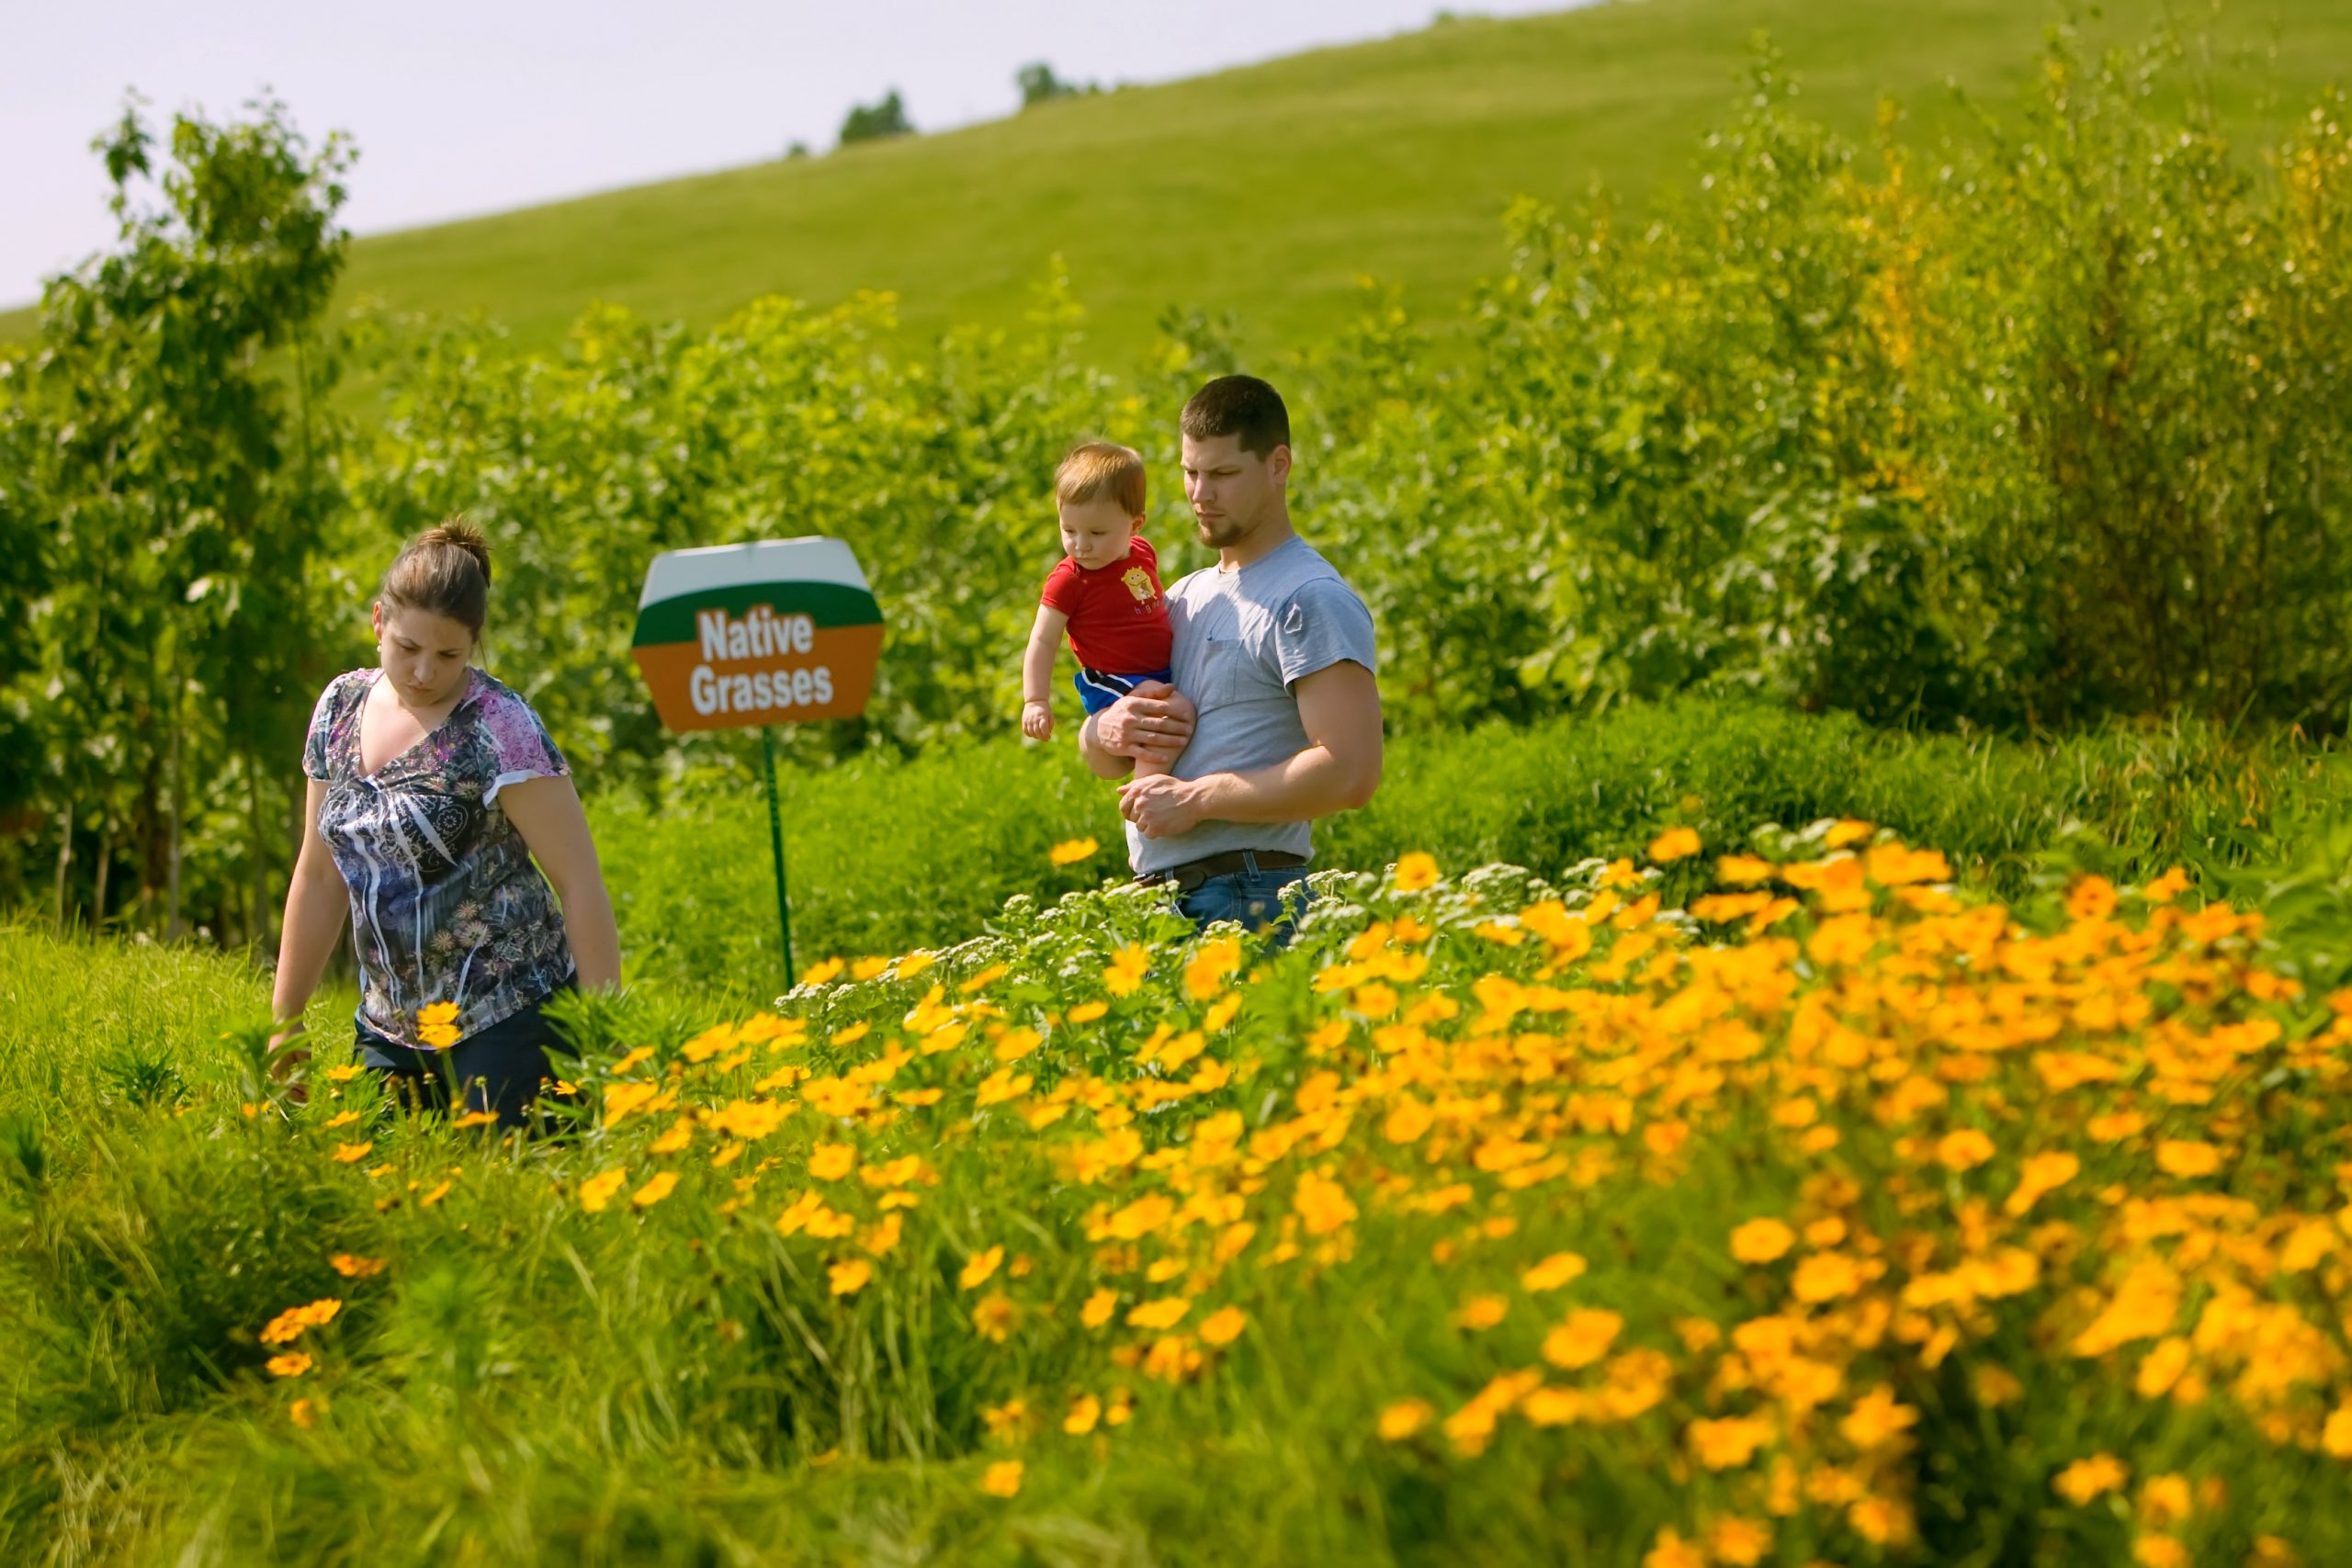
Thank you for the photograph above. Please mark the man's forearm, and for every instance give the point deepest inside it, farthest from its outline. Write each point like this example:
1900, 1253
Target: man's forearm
1315, 782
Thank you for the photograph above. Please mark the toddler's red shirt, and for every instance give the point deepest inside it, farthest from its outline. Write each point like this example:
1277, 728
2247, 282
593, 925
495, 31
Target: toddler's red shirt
1118, 622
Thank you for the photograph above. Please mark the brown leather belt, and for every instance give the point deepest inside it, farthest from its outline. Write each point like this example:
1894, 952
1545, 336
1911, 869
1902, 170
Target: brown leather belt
1193, 873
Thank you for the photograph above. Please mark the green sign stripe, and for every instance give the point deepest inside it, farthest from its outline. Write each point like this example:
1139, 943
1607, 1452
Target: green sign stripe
828, 604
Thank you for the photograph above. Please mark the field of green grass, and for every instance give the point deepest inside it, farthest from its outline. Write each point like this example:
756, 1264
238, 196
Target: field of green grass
970, 827
1264, 192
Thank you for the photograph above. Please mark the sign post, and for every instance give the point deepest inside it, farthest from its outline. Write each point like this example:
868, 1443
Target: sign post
737, 637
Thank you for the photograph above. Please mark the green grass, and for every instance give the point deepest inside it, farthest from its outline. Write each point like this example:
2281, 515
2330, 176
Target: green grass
884, 856
1264, 192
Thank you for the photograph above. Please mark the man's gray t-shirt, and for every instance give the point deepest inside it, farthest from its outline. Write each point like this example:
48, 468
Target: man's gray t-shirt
1242, 640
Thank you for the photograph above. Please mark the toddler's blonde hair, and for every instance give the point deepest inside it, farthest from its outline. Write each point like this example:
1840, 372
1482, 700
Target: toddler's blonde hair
1101, 470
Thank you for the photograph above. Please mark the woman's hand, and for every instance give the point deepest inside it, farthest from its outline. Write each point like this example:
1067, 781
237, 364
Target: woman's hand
282, 1062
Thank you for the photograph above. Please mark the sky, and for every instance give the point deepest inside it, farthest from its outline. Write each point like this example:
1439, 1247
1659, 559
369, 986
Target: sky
463, 109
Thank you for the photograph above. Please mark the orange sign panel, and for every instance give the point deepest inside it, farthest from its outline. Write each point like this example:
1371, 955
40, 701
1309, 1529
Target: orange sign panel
773, 632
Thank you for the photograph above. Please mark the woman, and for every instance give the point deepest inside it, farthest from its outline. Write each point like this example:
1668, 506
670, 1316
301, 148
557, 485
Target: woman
433, 789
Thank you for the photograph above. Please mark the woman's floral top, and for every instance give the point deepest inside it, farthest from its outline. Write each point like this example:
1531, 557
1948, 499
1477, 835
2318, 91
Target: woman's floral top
445, 905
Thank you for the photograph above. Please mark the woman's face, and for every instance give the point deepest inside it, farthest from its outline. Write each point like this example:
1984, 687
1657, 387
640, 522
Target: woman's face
424, 654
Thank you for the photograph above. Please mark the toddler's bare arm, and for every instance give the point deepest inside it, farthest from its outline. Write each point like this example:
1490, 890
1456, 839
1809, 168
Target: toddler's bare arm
1038, 673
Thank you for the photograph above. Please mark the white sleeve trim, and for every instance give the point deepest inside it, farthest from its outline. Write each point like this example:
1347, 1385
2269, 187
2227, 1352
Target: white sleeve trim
490, 795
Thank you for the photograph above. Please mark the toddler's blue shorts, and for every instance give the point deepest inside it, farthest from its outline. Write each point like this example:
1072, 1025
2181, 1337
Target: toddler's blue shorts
1099, 689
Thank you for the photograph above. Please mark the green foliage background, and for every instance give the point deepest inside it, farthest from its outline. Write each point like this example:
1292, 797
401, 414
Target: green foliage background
2047, 422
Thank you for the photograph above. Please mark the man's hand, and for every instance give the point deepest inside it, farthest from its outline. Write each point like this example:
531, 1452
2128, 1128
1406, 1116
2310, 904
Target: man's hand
1037, 719
1162, 806
1152, 724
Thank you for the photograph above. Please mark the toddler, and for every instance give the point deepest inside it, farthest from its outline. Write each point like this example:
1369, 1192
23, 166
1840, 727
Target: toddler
1105, 592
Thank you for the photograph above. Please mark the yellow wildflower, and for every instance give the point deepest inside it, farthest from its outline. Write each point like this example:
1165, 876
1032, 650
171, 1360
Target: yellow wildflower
1738, 1542
1582, 1338
1166, 1313
995, 1316
291, 1324
1671, 1551
1729, 1443
1322, 1205
598, 1189
2184, 1157
1963, 1150
1404, 1418
2087, 1478
1481, 1313
1127, 969
1761, 1241
1675, 843
1824, 1277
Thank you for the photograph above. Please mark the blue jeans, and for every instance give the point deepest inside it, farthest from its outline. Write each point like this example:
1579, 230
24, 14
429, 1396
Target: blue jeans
496, 1069
1255, 898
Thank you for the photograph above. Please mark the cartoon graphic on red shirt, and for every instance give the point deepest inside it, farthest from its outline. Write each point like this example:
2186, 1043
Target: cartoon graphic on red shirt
1118, 621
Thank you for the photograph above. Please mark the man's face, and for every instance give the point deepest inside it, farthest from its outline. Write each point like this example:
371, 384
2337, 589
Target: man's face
1232, 492
1097, 534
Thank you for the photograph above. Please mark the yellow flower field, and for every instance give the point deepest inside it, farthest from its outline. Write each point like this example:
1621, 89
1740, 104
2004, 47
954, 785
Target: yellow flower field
1833, 1217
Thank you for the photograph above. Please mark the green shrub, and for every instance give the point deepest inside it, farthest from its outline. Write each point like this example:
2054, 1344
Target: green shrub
2037, 426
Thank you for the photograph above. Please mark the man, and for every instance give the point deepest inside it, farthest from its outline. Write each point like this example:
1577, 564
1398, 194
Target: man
1274, 718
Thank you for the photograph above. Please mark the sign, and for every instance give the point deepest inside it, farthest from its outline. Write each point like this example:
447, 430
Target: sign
775, 632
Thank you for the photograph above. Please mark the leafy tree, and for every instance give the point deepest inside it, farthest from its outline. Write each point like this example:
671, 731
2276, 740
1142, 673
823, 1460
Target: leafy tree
23, 577
1038, 84
872, 122
180, 384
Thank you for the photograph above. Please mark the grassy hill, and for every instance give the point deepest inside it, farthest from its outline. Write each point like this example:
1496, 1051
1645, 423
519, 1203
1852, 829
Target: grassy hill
1267, 191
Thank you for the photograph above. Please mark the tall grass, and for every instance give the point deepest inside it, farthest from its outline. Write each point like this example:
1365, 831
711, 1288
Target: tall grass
884, 855
1450, 1151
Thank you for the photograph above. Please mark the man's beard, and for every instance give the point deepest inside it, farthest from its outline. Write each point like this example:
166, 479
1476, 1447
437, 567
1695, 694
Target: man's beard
1221, 533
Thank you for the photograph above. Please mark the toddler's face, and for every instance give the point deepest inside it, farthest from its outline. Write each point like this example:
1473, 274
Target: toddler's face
1097, 534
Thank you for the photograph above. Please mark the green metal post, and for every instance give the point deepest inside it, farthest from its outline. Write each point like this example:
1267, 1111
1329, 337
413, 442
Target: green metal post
775, 840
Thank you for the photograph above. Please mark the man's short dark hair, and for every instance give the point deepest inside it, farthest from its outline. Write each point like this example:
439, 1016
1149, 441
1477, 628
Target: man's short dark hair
1242, 407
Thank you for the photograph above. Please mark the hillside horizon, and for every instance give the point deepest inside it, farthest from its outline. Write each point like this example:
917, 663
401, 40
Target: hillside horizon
1266, 192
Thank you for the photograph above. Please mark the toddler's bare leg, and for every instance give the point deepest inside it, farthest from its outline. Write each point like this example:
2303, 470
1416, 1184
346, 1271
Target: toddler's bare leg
1145, 768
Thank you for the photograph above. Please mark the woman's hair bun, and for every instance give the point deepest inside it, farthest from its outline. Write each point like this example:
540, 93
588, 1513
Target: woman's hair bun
467, 536
445, 571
